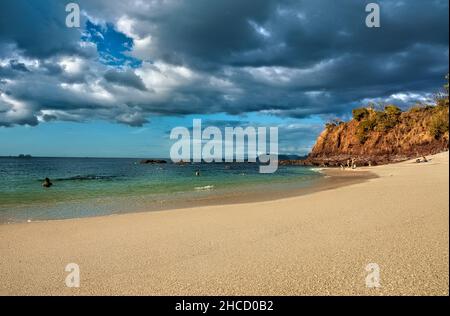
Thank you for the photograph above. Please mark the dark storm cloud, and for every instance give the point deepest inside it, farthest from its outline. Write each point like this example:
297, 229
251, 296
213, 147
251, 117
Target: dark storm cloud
18, 66
37, 28
206, 33
286, 58
304, 33
51, 69
12, 69
125, 78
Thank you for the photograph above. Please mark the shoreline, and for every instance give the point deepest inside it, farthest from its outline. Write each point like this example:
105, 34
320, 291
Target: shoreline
313, 244
332, 178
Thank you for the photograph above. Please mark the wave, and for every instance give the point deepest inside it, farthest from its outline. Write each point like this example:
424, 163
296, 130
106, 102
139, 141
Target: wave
205, 188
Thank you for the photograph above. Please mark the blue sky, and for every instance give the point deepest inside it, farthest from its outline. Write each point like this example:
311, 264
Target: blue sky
112, 46
134, 70
106, 139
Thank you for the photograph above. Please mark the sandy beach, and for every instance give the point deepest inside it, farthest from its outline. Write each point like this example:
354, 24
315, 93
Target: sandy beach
314, 244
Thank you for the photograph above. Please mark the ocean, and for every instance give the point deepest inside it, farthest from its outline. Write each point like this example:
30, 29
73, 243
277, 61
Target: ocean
84, 187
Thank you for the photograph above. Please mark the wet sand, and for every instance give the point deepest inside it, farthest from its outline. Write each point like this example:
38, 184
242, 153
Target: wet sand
333, 179
314, 244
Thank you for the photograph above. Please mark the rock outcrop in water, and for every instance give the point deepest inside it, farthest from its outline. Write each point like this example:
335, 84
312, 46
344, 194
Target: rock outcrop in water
152, 162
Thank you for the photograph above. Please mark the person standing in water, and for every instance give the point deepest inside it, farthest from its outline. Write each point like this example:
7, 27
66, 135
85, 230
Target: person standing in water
47, 183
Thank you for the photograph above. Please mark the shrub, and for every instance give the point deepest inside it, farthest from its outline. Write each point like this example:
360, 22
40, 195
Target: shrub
392, 110
381, 119
365, 127
330, 125
439, 124
417, 108
442, 102
387, 119
360, 114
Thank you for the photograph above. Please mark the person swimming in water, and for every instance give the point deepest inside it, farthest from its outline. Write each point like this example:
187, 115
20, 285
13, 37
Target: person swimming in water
197, 174
47, 183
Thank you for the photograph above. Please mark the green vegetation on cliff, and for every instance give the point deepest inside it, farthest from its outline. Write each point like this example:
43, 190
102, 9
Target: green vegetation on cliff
387, 134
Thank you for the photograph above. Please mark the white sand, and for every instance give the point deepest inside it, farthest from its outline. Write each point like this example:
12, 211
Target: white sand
314, 244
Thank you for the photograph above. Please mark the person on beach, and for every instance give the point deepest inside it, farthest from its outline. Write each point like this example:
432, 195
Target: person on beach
47, 183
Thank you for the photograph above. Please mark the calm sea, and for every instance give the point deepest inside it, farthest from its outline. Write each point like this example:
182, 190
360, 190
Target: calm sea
86, 187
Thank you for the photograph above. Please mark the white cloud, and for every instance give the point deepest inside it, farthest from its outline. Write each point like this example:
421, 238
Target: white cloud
72, 65
142, 45
12, 110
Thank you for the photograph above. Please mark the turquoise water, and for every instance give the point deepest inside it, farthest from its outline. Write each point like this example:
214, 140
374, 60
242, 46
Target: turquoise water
91, 187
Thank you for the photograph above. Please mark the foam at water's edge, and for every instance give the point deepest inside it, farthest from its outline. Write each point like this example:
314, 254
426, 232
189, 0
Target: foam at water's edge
205, 188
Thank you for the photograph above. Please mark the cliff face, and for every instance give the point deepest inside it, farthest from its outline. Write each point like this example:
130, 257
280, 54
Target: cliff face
378, 137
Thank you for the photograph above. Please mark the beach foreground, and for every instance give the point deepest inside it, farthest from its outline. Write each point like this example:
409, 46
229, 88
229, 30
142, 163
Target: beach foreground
315, 244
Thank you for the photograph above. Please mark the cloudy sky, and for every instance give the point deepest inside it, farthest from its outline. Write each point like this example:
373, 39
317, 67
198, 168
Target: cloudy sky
137, 68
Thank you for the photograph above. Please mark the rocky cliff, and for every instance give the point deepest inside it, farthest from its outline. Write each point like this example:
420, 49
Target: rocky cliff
379, 137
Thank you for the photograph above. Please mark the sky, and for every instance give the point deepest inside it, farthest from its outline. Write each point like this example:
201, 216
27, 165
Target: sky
135, 69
